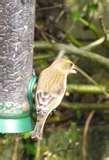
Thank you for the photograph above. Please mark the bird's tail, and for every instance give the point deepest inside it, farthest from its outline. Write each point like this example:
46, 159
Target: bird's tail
39, 127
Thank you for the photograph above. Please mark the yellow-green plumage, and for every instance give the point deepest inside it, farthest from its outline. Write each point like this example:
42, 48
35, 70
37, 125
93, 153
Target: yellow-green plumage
51, 80
50, 91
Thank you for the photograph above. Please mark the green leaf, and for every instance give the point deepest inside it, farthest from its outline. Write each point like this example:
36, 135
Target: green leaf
93, 7
75, 15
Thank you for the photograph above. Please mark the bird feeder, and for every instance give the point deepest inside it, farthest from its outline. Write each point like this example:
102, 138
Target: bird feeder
16, 63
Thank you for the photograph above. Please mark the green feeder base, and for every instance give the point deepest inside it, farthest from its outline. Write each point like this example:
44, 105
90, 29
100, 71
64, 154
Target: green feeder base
15, 125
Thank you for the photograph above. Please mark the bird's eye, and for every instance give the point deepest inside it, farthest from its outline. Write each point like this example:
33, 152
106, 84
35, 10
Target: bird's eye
71, 64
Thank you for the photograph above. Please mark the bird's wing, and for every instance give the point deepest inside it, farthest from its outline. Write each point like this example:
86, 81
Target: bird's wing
43, 100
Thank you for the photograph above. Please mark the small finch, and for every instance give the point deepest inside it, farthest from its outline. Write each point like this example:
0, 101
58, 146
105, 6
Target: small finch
50, 91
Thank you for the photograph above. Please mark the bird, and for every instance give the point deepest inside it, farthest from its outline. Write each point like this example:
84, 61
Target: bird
50, 91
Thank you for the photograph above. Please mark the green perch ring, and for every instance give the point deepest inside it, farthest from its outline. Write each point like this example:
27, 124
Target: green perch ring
18, 122
31, 87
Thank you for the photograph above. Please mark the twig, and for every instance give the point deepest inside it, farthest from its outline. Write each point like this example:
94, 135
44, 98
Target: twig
85, 106
15, 148
84, 88
86, 54
85, 135
92, 27
42, 56
91, 80
60, 54
71, 49
59, 16
42, 32
94, 44
103, 27
37, 156
50, 7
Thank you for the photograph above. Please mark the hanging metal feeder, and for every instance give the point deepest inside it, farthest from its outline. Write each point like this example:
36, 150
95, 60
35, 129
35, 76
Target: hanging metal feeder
16, 63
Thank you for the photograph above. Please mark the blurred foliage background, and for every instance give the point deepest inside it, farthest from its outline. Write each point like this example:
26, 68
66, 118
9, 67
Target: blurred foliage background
63, 25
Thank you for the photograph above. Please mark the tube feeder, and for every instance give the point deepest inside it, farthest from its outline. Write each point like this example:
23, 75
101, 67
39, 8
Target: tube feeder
16, 63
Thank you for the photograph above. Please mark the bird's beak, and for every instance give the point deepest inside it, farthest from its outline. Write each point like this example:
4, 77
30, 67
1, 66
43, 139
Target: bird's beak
73, 69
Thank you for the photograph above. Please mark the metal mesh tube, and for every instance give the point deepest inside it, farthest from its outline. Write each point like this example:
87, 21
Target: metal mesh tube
16, 54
